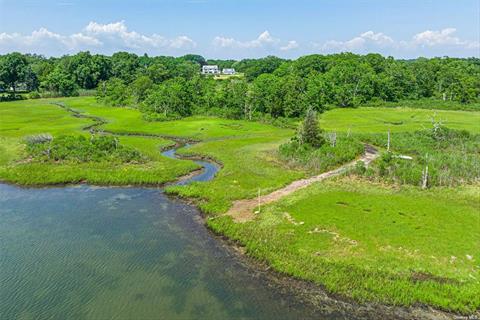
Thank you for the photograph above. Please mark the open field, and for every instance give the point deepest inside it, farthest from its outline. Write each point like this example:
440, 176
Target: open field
372, 242
380, 120
362, 240
30, 117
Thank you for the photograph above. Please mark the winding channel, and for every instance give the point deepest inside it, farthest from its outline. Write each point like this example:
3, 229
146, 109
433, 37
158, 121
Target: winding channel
207, 173
87, 252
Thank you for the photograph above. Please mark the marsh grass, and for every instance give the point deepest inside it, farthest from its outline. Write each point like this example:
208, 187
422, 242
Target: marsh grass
373, 243
21, 119
78, 149
452, 157
388, 243
401, 119
324, 158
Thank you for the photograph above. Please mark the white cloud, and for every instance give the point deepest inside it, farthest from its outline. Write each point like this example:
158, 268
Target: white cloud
182, 42
363, 41
95, 36
370, 41
118, 34
264, 39
378, 38
292, 44
444, 37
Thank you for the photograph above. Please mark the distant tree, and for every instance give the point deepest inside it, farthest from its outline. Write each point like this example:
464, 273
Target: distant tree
31, 80
309, 132
157, 72
266, 94
61, 83
139, 89
235, 95
424, 72
307, 65
194, 58
293, 96
171, 98
114, 92
352, 83
125, 66
317, 92
186, 70
13, 69
255, 67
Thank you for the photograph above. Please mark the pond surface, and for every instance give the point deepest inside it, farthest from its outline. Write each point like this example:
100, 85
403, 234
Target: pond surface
87, 252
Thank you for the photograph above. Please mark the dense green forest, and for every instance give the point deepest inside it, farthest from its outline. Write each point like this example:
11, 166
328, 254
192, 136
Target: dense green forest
168, 87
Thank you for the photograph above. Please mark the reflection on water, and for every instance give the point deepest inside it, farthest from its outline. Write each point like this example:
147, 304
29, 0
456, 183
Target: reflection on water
121, 253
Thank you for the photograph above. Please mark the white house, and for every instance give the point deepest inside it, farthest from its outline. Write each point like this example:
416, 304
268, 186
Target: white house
229, 71
210, 70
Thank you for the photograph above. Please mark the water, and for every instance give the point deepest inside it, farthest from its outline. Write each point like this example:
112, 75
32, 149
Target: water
88, 252
208, 172
121, 253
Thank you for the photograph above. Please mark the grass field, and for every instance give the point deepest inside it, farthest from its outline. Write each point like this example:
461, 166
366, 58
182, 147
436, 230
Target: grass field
373, 243
380, 120
30, 117
367, 241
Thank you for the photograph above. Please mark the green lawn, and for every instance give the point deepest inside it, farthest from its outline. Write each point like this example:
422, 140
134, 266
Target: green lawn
380, 120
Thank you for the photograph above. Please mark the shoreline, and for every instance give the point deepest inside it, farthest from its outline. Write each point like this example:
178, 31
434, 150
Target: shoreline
307, 292
303, 291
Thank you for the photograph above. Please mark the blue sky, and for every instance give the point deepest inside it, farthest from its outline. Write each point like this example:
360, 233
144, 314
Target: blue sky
242, 28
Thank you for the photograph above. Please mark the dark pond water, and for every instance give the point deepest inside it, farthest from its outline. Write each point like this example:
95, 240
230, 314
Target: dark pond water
86, 252
122, 253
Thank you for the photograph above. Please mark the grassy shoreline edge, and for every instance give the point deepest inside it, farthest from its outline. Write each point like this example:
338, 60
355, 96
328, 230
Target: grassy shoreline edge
205, 213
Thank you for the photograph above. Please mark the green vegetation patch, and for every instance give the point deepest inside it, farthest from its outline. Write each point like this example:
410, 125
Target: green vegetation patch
137, 159
318, 151
322, 159
249, 165
44, 148
380, 120
452, 157
372, 243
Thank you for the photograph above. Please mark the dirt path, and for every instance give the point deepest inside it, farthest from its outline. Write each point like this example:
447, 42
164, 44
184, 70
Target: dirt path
244, 210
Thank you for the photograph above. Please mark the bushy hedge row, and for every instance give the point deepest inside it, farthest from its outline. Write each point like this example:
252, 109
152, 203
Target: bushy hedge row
80, 149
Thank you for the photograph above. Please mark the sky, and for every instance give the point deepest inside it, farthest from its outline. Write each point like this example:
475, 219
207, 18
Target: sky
236, 29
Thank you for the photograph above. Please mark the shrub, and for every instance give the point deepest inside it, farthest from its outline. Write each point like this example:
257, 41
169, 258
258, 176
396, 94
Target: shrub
34, 95
324, 158
451, 157
78, 149
309, 132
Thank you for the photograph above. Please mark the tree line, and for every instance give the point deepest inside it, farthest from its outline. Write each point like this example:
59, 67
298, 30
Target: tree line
172, 87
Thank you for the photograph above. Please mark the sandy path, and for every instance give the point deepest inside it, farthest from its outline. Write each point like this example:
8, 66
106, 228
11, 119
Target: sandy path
244, 210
